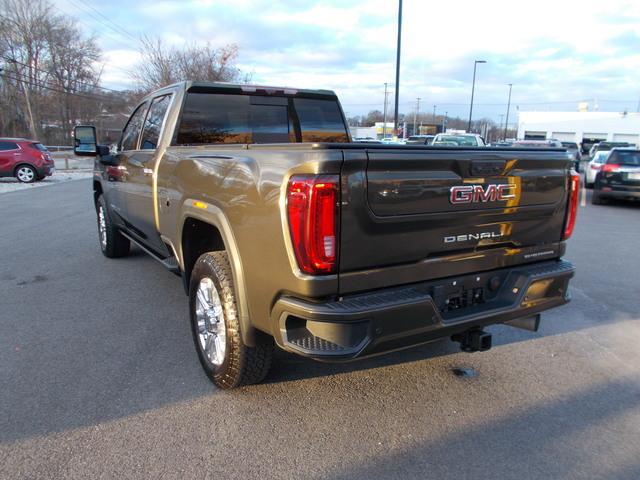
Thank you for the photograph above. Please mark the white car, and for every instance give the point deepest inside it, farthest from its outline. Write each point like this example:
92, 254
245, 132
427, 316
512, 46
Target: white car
459, 139
594, 166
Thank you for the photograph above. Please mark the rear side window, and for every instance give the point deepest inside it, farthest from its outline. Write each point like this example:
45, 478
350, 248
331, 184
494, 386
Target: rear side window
153, 123
132, 130
625, 158
39, 146
8, 146
320, 120
210, 118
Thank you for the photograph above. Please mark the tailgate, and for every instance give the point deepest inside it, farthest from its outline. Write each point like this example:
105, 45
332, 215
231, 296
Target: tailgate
438, 213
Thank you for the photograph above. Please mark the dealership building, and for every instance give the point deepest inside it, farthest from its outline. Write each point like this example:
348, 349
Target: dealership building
584, 128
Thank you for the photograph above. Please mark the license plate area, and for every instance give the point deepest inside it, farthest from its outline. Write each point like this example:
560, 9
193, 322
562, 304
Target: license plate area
634, 176
460, 296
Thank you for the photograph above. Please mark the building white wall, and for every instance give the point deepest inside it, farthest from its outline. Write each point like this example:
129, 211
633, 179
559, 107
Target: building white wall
574, 126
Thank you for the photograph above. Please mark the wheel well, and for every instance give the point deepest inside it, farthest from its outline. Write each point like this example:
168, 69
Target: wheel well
24, 164
198, 237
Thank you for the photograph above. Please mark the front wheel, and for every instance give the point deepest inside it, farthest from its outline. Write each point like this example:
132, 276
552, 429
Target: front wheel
216, 328
112, 243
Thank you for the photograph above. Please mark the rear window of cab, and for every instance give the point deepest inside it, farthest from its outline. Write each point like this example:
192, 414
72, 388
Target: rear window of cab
213, 118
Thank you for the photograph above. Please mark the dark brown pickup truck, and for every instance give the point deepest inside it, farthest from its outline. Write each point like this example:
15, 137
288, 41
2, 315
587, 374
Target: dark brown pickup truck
286, 233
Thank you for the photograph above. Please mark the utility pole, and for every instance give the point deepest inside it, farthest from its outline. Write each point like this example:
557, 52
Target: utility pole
434, 114
506, 124
444, 122
395, 118
384, 121
473, 87
415, 116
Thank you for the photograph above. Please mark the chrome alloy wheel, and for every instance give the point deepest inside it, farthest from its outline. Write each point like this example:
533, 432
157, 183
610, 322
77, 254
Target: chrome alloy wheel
102, 227
25, 174
211, 326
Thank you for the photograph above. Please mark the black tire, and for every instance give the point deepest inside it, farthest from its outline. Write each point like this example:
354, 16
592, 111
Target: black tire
25, 173
112, 243
596, 198
240, 364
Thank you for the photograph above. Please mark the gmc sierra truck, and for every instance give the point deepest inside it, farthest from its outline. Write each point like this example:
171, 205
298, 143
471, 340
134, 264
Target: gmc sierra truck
286, 233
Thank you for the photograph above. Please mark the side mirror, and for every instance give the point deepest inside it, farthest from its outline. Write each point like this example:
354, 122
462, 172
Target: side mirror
85, 142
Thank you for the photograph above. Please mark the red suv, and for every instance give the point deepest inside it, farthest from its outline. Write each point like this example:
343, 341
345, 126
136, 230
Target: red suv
27, 160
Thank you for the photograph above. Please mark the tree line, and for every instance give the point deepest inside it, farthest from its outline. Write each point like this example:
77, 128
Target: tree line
50, 74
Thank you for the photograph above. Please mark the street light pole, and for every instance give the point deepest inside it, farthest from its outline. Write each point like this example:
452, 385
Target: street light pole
384, 118
415, 115
444, 121
473, 87
395, 118
434, 114
506, 124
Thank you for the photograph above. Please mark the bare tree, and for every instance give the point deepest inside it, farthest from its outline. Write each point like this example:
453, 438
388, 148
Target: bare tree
162, 65
48, 72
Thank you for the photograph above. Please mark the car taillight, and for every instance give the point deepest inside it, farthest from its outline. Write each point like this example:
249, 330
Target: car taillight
572, 205
312, 211
609, 167
595, 166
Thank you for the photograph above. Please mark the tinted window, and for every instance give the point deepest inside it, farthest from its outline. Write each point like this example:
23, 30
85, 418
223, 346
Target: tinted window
320, 120
132, 130
153, 123
631, 157
219, 118
39, 146
224, 118
8, 146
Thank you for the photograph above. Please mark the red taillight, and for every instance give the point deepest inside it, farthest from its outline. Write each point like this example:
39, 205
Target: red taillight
572, 205
312, 210
595, 166
609, 167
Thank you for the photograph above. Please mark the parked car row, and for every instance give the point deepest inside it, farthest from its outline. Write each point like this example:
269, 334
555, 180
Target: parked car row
27, 160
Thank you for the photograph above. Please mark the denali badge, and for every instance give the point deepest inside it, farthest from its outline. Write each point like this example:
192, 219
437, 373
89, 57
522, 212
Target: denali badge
478, 193
472, 236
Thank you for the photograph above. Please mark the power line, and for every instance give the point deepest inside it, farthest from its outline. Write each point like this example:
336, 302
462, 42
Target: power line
87, 95
102, 22
13, 60
118, 27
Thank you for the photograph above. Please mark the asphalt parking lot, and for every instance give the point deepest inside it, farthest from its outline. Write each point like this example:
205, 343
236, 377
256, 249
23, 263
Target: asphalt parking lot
99, 377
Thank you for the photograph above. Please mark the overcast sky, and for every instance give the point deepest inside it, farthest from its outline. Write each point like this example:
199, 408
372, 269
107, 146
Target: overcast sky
556, 53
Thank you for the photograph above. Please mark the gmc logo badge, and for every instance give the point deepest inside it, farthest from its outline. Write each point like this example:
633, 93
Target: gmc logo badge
478, 193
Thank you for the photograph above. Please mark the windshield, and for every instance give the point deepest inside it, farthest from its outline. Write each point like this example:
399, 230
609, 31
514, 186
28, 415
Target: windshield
631, 157
600, 157
460, 140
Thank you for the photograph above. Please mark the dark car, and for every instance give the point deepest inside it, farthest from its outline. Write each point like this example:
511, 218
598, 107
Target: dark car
619, 177
606, 146
27, 160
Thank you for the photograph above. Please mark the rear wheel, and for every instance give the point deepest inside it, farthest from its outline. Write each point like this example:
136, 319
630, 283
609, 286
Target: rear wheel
26, 174
216, 328
596, 198
112, 243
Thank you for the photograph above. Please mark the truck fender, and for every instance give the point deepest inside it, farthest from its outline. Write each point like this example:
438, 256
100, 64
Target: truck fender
212, 215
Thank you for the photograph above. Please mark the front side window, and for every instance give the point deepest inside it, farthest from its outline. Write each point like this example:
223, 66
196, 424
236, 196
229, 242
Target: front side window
153, 123
8, 146
132, 130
